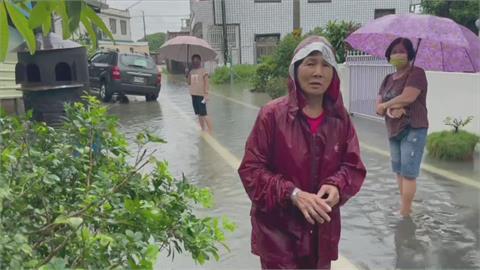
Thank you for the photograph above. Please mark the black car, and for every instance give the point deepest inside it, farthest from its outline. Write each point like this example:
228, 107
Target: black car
113, 72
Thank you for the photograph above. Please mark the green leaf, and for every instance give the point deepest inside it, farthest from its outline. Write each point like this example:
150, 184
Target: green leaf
21, 23
38, 15
90, 13
141, 137
228, 224
72, 221
155, 139
74, 9
61, 10
4, 33
105, 240
85, 234
152, 253
47, 25
55, 264
88, 26
75, 221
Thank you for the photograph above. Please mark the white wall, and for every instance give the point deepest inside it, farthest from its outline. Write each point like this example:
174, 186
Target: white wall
256, 18
277, 17
117, 15
455, 95
360, 11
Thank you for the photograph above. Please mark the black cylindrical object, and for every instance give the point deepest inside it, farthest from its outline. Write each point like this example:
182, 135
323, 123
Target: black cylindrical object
56, 74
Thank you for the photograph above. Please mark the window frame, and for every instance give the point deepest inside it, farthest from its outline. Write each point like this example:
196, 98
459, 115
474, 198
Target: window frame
113, 25
123, 26
384, 10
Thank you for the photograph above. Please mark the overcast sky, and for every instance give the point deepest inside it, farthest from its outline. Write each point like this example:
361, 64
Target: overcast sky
160, 15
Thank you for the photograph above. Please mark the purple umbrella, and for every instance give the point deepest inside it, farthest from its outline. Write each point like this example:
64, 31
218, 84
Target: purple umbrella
443, 44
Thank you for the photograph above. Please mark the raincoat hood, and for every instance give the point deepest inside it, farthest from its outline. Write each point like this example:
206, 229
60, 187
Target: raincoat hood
333, 102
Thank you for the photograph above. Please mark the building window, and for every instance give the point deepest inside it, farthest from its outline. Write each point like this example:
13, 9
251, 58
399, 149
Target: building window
113, 26
382, 12
215, 36
268, 1
319, 1
265, 45
123, 27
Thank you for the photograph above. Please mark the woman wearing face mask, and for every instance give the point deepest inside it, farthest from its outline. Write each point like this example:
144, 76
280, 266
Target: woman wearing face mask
402, 101
301, 163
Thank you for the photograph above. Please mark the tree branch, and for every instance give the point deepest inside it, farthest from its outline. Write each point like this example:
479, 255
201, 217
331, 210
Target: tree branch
56, 250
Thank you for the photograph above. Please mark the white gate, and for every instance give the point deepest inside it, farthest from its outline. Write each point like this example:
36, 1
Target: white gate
366, 74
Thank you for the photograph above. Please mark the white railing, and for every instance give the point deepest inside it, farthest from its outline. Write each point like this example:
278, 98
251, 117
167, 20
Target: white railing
366, 75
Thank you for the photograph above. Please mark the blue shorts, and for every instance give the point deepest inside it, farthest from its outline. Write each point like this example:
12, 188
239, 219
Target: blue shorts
198, 107
406, 154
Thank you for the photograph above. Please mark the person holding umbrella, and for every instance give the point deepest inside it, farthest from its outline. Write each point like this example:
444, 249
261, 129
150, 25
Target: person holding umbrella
402, 101
184, 49
197, 79
441, 45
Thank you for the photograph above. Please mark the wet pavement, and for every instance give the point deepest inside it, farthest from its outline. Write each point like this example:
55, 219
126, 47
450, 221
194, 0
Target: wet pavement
442, 234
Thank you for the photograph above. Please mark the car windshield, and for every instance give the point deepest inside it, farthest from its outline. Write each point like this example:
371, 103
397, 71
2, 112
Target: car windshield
137, 61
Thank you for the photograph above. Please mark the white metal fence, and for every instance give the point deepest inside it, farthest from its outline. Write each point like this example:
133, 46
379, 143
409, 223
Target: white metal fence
366, 74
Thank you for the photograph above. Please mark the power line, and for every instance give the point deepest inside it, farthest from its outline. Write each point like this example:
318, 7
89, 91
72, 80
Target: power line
134, 4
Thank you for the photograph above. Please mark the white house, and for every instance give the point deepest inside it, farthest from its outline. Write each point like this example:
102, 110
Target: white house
254, 27
118, 21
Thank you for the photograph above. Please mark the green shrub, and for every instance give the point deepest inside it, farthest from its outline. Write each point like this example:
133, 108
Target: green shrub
241, 73
277, 64
336, 32
76, 197
276, 87
265, 71
244, 73
221, 75
449, 145
284, 53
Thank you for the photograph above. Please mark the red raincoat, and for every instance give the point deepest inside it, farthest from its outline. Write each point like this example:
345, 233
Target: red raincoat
281, 153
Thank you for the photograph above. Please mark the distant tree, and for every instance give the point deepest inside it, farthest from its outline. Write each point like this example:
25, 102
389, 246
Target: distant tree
336, 32
464, 12
155, 41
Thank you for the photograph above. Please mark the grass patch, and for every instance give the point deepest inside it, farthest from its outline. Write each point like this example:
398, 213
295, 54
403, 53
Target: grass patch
450, 145
241, 73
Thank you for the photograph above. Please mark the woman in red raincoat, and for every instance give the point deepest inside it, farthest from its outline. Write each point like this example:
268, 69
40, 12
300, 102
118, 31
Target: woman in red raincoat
302, 162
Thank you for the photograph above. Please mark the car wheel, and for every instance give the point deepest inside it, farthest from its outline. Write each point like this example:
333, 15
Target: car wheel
151, 97
105, 96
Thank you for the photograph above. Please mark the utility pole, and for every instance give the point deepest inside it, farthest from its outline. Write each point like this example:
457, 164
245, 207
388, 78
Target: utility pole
144, 27
225, 40
296, 14
143, 16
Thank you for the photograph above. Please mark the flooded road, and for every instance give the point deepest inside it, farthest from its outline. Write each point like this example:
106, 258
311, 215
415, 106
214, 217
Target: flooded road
442, 234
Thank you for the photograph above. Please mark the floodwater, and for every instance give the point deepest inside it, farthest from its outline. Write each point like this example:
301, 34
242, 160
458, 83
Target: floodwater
443, 232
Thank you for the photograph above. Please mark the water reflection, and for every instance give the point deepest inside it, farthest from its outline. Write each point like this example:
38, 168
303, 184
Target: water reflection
409, 250
443, 233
